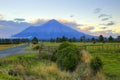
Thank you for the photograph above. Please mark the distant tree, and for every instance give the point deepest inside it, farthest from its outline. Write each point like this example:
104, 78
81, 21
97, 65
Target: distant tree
64, 39
101, 38
93, 40
35, 40
118, 38
58, 39
82, 39
74, 39
70, 40
52, 40
110, 39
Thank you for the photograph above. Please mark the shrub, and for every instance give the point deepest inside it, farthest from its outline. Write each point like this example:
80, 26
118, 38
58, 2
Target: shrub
64, 45
68, 57
53, 57
96, 64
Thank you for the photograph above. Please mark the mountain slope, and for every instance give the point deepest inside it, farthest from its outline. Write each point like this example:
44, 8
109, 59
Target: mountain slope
51, 29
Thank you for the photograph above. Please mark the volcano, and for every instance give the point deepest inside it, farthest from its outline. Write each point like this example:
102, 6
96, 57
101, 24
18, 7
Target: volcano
51, 30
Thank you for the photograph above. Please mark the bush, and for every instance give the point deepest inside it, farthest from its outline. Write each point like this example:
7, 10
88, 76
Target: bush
64, 45
96, 64
67, 56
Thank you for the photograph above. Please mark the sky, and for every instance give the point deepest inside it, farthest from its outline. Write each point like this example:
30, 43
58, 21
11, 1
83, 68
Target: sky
94, 17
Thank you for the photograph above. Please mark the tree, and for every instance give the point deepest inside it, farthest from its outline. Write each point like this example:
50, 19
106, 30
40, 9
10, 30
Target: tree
82, 39
52, 40
64, 39
93, 40
35, 40
101, 38
110, 39
118, 38
74, 39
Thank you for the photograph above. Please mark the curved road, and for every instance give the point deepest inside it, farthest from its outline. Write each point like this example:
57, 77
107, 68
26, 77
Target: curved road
15, 50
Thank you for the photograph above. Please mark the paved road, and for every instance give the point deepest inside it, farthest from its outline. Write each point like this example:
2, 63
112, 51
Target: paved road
15, 50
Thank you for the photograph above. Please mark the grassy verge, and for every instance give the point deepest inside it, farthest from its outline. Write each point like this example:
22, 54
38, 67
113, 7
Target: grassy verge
7, 46
40, 67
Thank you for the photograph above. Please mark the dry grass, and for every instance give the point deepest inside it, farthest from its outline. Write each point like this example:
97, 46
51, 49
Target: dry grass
86, 57
6, 46
50, 72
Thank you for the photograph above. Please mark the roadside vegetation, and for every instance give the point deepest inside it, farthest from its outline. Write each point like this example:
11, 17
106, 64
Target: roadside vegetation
44, 66
109, 53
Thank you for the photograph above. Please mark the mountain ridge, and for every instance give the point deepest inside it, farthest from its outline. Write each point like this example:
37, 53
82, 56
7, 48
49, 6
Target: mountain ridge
51, 30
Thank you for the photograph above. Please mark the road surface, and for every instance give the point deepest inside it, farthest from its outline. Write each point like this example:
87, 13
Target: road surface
15, 50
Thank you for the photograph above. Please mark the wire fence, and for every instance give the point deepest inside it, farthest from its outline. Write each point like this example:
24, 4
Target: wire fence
105, 48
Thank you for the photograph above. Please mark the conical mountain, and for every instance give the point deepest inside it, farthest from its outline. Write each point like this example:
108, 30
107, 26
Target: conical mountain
51, 29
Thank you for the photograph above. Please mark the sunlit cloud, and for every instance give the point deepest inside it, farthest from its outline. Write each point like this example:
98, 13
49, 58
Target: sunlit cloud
86, 28
72, 24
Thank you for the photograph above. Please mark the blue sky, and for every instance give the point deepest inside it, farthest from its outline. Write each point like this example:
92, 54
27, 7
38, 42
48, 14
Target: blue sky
93, 17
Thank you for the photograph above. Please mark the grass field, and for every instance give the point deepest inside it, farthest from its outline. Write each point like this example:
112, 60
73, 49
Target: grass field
34, 66
109, 53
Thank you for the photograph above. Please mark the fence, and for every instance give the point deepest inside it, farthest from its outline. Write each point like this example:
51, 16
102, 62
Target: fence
107, 48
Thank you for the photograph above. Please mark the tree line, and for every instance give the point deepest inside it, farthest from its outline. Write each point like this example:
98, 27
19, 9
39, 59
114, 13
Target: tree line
13, 41
101, 38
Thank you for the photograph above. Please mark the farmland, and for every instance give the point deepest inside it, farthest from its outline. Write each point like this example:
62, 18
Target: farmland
40, 66
109, 53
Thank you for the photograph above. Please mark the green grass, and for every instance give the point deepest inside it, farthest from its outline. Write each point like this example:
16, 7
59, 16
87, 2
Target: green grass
38, 67
109, 53
111, 64
31, 66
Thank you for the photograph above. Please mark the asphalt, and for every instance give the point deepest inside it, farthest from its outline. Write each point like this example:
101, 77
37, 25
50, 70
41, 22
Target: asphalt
13, 51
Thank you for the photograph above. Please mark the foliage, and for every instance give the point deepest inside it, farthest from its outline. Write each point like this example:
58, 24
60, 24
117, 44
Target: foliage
110, 39
96, 64
67, 56
101, 38
35, 40
64, 45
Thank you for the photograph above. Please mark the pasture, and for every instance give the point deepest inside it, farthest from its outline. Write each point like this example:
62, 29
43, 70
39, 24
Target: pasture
39, 66
108, 52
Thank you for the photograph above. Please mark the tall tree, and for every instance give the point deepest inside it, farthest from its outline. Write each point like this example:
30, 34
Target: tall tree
118, 38
64, 39
110, 39
101, 38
